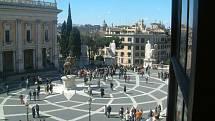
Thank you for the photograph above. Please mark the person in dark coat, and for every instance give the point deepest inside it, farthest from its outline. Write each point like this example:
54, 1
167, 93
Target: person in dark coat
102, 92
38, 88
38, 110
33, 112
51, 88
125, 88
108, 110
34, 94
111, 86
30, 94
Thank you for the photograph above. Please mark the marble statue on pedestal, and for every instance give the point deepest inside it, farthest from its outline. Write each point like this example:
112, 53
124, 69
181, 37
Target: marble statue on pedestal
148, 60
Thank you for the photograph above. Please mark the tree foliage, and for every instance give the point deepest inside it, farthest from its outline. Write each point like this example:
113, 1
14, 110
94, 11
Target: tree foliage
75, 43
63, 40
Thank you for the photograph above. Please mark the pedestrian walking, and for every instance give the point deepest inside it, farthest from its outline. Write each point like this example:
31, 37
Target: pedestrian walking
38, 110
147, 78
102, 92
47, 88
34, 94
121, 111
21, 97
30, 94
124, 88
111, 86
38, 88
108, 111
51, 88
33, 111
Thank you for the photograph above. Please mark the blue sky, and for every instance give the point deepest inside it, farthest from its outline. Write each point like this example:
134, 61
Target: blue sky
118, 12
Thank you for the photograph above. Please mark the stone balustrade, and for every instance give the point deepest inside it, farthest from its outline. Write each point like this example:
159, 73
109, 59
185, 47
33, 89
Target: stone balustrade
29, 3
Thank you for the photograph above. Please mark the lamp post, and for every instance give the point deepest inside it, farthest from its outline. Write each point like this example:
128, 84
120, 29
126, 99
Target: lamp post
89, 102
27, 106
162, 70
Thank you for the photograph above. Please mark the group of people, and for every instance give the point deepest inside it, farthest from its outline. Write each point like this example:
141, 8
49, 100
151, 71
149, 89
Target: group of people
49, 88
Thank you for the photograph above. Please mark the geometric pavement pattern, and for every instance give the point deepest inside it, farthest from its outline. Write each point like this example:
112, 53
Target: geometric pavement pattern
57, 107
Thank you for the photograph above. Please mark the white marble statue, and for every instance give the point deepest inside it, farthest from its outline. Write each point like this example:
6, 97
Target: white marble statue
148, 51
112, 46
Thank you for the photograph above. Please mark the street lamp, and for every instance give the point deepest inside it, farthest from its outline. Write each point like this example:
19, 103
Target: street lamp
162, 70
27, 106
89, 102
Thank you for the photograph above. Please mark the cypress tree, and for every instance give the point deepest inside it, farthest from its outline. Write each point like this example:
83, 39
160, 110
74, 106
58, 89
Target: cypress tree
69, 22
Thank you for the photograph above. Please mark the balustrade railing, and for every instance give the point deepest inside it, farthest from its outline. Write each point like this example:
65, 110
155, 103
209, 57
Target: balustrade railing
29, 3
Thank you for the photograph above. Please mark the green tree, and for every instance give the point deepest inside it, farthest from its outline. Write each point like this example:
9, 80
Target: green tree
69, 22
75, 43
63, 41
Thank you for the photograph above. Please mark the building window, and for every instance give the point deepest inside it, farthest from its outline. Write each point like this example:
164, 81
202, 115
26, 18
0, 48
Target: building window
137, 40
141, 61
122, 54
142, 40
122, 39
136, 47
28, 33
136, 54
129, 54
7, 36
129, 60
142, 54
46, 35
116, 53
129, 39
142, 48
129, 47
121, 60
136, 61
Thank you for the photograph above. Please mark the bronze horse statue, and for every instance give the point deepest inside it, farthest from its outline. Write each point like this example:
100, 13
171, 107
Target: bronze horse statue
69, 62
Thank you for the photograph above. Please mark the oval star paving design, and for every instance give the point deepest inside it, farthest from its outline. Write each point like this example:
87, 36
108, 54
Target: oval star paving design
57, 107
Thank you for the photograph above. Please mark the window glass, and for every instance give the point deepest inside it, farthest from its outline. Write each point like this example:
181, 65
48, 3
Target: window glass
46, 35
129, 39
129, 60
183, 38
189, 44
137, 40
179, 107
136, 47
28, 35
7, 36
136, 54
122, 54
142, 40
142, 47
122, 39
129, 47
129, 54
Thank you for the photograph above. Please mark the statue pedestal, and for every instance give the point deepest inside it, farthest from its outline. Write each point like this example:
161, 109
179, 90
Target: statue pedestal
148, 62
69, 81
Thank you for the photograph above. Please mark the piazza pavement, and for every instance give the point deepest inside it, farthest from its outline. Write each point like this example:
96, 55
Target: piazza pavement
74, 107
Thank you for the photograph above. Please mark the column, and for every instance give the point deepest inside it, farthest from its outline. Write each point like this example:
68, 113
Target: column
38, 54
55, 50
18, 53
